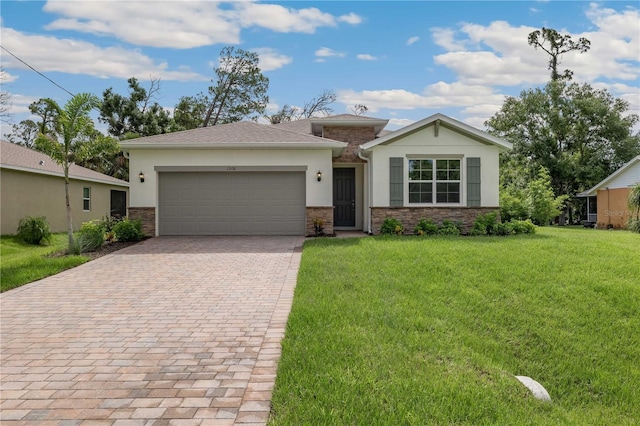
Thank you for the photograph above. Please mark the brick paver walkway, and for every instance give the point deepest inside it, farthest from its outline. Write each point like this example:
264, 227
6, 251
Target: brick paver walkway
169, 331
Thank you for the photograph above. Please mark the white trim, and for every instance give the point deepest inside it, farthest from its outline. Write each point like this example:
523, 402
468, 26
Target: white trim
594, 191
479, 135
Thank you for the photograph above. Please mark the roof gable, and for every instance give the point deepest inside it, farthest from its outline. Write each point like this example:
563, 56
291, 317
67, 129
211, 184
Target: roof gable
437, 120
632, 168
17, 157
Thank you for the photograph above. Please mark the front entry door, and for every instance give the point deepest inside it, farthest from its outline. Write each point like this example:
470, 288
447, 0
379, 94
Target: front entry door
344, 197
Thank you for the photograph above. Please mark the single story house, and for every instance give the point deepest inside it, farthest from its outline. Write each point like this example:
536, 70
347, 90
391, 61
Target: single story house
346, 171
32, 184
607, 202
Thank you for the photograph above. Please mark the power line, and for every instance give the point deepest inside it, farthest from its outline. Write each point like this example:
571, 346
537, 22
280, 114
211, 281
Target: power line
38, 72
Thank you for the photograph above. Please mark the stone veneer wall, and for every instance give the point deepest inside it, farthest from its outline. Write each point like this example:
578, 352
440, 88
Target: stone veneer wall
409, 216
324, 213
354, 136
148, 216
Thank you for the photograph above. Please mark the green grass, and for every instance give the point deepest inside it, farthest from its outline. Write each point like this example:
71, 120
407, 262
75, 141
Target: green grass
23, 263
415, 331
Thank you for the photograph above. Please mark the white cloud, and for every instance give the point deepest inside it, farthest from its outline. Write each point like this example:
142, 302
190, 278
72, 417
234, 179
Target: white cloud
325, 52
444, 37
502, 56
435, 96
48, 54
400, 122
271, 59
8, 77
166, 24
184, 25
350, 18
412, 40
366, 57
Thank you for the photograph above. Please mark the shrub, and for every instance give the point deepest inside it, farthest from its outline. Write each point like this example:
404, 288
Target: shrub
523, 226
91, 236
634, 225
34, 230
503, 229
449, 228
128, 230
318, 227
391, 226
485, 224
426, 227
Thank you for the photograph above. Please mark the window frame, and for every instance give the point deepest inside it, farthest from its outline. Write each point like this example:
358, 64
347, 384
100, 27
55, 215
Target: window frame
86, 200
434, 181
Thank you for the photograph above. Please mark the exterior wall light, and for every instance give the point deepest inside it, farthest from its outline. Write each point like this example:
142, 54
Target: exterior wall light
141, 176
319, 175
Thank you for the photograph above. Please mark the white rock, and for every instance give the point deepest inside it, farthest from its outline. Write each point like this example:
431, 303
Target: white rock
536, 388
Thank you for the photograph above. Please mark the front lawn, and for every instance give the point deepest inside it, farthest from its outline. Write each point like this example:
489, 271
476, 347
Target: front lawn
23, 263
408, 330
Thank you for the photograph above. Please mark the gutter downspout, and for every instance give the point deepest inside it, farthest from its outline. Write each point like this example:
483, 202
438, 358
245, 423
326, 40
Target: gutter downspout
369, 191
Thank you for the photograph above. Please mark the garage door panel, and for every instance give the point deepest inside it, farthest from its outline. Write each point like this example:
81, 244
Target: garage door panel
240, 203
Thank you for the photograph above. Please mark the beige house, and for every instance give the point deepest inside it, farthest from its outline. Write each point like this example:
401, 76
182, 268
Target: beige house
247, 178
32, 184
608, 201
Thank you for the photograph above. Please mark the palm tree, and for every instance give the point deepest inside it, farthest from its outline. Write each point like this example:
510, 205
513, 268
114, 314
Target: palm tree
65, 143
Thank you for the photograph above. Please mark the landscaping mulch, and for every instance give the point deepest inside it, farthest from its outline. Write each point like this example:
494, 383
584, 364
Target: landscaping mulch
109, 248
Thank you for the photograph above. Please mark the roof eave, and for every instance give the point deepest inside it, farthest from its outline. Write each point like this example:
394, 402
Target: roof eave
238, 145
60, 174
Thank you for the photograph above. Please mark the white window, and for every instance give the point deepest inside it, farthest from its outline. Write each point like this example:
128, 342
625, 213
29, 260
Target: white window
86, 199
434, 181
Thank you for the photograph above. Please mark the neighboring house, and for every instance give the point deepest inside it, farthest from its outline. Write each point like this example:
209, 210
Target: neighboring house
247, 178
607, 202
32, 184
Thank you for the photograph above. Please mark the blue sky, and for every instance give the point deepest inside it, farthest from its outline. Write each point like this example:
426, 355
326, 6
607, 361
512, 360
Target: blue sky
403, 60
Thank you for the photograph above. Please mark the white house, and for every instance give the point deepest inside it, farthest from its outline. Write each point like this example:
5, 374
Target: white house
247, 178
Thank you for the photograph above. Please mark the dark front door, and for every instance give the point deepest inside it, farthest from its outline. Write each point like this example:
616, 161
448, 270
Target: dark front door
118, 203
344, 197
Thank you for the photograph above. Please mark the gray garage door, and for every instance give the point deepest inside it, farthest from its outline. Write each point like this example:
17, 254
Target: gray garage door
238, 203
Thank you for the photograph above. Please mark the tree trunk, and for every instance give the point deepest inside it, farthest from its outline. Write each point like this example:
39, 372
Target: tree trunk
67, 197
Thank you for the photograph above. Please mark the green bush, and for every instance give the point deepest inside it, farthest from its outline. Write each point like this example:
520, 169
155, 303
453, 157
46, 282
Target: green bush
391, 226
128, 230
34, 230
485, 224
503, 229
426, 227
634, 225
91, 236
449, 228
523, 226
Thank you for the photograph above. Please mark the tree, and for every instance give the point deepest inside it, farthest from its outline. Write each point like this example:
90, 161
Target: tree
555, 45
5, 99
240, 88
580, 138
320, 105
541, 202
71, 139
135, 114
634, 206
24, 133
189, 113
359, 109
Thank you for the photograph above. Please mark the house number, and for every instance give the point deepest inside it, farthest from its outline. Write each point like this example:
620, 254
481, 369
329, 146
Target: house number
231, 168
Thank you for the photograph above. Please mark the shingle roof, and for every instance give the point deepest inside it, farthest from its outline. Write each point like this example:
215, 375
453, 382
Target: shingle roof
242, 132
17, 157
313, 125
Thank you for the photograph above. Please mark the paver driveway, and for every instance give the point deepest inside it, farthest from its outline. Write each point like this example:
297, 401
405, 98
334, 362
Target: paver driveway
181, 330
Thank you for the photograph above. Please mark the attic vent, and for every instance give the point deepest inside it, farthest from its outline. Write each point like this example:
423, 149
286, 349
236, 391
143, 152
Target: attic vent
41, 162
